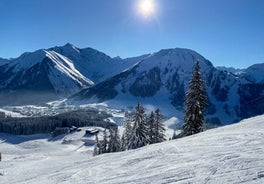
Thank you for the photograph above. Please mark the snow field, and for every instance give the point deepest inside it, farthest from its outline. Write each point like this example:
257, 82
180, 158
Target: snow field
230, 154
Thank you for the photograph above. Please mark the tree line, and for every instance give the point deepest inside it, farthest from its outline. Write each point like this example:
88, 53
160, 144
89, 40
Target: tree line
139, 130
47, 124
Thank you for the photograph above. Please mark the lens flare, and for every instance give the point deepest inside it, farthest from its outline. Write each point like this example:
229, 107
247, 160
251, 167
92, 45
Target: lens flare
146, 7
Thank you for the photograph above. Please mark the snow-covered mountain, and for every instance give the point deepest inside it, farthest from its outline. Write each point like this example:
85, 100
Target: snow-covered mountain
255, 73
94, 64
41, 73
47, 74
161, 80
230, 154
230, 69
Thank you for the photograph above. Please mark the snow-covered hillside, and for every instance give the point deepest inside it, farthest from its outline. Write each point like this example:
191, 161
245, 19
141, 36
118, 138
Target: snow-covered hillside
230, 154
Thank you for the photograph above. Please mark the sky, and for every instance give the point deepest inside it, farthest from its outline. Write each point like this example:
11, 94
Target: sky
227, 32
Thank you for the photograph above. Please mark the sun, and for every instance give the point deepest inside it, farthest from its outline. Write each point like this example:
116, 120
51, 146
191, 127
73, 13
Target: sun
146, 7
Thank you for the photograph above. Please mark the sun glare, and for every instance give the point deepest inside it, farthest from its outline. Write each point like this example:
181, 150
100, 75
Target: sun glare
146, 7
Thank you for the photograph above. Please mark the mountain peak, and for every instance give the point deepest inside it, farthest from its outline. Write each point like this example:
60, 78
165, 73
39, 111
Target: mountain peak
68, 45
67, 48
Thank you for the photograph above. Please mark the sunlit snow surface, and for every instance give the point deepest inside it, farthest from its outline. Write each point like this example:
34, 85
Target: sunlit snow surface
230, 154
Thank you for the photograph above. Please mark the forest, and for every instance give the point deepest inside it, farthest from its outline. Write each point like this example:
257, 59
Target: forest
47, 124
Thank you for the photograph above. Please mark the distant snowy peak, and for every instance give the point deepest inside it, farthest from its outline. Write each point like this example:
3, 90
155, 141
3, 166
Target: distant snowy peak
175, 58
27, 60
255, 73
235, 71
3, 61
94, 64
72, 52
67, 49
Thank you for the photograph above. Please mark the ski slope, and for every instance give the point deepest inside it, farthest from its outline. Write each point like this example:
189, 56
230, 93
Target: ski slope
230, 154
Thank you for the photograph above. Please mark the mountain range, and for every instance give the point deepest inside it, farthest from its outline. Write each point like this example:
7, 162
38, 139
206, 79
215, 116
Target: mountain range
49, 74
159, 80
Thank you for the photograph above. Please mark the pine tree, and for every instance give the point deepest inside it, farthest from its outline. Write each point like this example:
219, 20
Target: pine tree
104, 143
127, 132
123, 143
96, 147
151, 123
159, 135
114, 144
139, 136
195, 101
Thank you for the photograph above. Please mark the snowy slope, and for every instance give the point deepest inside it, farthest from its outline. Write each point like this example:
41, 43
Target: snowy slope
230, 154
64, 77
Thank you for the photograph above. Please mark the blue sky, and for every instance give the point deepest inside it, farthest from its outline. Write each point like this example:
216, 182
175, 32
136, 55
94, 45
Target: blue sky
227, 32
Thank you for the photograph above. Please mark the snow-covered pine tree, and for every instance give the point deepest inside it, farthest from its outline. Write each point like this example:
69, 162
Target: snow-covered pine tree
127, 132
104, 143
96, 147
123, 144
159, 128
139, 136
151, 123
195, 101
114, 144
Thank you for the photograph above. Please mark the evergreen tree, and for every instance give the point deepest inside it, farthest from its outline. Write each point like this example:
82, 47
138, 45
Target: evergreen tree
114, 144
127, 132
104, 143
159, 128
139, 136
96, 147
195, 101
123, 143
151, 123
